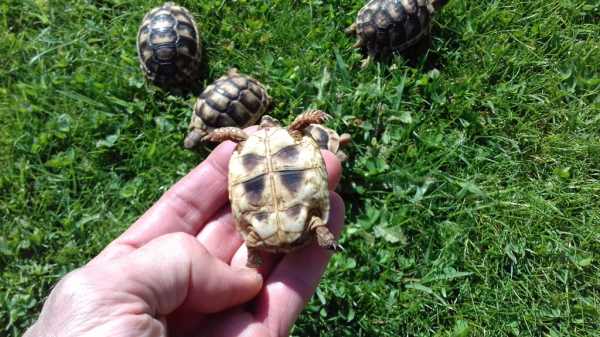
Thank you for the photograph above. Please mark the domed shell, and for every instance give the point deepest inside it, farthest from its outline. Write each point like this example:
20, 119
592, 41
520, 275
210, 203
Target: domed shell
232, 100
168, 45
386, 26
277, 183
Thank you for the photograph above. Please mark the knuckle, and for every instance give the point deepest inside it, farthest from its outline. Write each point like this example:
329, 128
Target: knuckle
75, 282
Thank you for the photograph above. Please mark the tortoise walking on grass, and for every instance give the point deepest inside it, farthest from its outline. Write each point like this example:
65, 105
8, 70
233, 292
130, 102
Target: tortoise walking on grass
387, 26
232, 100
278, 186
168, 45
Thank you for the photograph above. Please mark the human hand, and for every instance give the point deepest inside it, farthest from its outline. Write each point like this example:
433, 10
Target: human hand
179, 270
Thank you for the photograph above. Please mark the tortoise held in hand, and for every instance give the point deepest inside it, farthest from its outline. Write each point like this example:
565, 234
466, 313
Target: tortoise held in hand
168, 45
387, 26
278, 186
232, 100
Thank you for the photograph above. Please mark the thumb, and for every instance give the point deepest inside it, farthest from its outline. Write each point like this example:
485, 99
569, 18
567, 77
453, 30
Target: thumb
176, 270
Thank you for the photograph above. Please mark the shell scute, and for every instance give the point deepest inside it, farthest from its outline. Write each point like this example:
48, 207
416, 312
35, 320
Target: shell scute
387, 26
168, 46
232, 100
293, 187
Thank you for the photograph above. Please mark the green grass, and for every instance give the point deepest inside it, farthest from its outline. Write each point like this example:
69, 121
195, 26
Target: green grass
472, 189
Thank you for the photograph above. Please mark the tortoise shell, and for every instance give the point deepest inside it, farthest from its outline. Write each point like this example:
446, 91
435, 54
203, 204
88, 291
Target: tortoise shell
387, 26
168, 45
277, 183
328, 139
232, 100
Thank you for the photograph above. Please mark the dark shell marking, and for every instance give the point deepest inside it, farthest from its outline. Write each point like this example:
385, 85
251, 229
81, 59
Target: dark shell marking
291, 180
277, 182
254, 188
321, 137
251, 160
388, 26
289, 153
169, 46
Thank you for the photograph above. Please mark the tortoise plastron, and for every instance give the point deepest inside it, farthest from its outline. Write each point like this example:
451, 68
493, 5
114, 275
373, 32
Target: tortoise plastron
278, 188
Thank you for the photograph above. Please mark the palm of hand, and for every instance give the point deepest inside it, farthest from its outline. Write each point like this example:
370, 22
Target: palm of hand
179, 271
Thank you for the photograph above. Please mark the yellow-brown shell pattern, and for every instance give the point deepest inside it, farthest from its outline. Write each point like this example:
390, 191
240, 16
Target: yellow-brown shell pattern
276, 184
169, 47
232, 100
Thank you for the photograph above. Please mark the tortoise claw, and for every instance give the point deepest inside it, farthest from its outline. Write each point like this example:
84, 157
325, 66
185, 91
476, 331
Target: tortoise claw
335, 247
359, 43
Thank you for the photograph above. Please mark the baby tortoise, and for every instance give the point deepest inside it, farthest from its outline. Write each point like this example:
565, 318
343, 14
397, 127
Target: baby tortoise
232, 100
168, 45
387, 26
278, 186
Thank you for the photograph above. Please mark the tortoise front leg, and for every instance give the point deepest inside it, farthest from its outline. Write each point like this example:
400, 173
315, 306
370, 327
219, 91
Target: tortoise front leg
351, 30
227, 133
365, 63
307, 118
341, 156
325, 238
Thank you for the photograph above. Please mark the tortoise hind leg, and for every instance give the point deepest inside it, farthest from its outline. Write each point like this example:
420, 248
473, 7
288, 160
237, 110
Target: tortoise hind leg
345, 139
341, 156
325, 238
254, 260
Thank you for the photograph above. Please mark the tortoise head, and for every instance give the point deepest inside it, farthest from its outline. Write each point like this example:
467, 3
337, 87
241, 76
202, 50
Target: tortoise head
194, 138
434, 5
269, 122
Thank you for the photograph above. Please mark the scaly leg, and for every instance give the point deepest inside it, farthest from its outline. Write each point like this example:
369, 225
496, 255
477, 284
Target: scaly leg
254, 260
341, 156
325, 238
365, 63
351, 30
307, 118
345, 139
227, 133
359, 43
